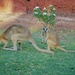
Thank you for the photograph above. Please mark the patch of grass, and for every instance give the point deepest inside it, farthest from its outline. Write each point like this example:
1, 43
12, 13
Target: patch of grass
29, 61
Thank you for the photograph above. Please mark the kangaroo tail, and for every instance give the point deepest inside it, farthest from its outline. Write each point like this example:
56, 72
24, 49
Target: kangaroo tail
70, 51
59, 47
64, 49
36, 47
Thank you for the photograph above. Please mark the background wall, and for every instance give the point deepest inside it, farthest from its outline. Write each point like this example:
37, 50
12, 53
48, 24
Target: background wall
64, 6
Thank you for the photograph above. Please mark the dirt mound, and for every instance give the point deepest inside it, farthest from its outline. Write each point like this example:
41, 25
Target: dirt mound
62, 21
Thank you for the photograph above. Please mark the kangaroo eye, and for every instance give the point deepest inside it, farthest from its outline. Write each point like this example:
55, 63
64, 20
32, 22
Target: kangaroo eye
43, 29
47, 29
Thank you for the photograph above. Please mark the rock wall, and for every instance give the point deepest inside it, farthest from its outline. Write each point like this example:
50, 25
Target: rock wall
64, 6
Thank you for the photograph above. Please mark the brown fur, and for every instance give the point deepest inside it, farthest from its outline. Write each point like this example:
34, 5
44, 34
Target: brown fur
18, 33
52, 39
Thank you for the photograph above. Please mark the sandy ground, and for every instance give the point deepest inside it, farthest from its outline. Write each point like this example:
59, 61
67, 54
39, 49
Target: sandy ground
62, 20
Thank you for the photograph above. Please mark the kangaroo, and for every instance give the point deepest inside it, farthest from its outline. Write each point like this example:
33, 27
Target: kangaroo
52, 39
18, 34
44, 33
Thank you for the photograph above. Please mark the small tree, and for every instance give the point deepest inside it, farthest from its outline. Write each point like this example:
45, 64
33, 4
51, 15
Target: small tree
46, 16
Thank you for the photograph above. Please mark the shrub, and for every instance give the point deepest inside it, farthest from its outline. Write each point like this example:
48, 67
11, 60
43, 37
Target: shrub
46, 16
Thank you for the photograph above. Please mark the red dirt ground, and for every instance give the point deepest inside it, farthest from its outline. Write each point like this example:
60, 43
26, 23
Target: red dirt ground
62, 21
